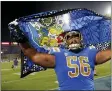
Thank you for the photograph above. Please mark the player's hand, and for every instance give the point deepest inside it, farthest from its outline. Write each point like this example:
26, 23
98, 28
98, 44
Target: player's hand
16, 34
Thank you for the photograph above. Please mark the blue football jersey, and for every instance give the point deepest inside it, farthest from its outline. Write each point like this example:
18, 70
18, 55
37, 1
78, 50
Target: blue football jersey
75, 71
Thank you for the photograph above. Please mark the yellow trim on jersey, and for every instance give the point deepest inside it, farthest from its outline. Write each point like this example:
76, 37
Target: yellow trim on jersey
79, 69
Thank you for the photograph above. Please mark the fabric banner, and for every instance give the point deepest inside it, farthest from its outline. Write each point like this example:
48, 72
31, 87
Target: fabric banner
45, 30
27, 66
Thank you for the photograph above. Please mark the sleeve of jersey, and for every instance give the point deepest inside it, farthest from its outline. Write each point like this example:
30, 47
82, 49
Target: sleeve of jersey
93, 52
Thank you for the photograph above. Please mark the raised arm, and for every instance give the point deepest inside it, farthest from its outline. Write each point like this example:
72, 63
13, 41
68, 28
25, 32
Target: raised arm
42, 59
103, 56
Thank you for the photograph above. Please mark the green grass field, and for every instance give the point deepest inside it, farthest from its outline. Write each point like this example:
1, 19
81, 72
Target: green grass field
44, 80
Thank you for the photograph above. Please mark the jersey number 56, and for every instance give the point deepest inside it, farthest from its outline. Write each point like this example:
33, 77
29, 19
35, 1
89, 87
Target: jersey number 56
79, 68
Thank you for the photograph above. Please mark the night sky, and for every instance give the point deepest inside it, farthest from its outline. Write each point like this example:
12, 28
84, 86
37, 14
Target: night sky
11, 10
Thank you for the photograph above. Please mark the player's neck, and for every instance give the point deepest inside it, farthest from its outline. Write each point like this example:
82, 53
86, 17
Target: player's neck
76, 51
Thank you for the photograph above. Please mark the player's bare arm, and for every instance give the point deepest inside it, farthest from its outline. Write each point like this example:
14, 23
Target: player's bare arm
103, 56
42, 59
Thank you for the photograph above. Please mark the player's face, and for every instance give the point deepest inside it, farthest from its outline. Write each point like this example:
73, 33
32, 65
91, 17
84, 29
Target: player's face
75, 39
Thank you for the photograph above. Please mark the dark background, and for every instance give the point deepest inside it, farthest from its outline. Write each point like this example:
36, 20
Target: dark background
11, 10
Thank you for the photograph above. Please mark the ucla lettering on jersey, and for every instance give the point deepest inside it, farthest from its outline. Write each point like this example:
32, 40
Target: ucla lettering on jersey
53, 50
75, 71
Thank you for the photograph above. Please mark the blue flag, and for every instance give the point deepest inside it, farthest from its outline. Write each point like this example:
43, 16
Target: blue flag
43, 30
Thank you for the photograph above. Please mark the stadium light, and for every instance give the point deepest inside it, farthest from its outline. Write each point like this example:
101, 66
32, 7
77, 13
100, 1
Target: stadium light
66, 18
108, 10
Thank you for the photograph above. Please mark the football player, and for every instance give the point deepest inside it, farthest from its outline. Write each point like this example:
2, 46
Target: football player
74, 65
